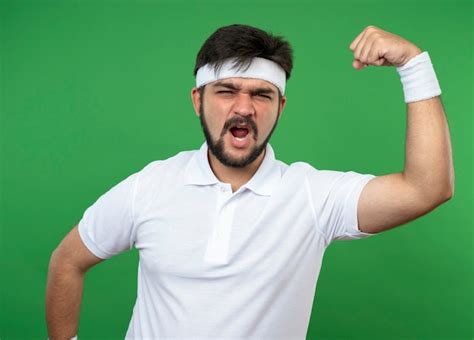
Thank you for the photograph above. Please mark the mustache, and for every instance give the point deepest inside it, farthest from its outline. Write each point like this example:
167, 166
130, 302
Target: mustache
240, 121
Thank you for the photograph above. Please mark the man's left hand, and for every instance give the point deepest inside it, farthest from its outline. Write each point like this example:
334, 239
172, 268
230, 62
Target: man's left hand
377, 47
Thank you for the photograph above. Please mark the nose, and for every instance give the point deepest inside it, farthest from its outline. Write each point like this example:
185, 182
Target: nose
243, 104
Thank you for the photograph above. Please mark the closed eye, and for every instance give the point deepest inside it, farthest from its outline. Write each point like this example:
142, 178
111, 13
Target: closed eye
261, 95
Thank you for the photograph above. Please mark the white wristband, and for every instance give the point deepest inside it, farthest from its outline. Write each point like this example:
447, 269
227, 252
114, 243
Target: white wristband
419, 79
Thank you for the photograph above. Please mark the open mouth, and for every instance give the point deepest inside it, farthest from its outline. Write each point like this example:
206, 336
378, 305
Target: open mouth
239, 133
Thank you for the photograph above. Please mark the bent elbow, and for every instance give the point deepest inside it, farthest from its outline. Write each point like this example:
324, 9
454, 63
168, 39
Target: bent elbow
435, 198
443, 197
448, 193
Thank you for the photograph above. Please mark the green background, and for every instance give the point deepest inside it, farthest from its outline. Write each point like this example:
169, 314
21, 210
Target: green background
92, 91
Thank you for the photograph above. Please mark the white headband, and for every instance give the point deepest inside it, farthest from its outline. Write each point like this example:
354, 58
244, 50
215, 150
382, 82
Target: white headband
260, 68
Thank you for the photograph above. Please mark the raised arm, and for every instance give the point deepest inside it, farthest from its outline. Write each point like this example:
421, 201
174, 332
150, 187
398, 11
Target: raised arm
68, 264
428, 176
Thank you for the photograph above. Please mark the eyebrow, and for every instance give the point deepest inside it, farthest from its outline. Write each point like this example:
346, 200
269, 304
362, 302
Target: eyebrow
258, 90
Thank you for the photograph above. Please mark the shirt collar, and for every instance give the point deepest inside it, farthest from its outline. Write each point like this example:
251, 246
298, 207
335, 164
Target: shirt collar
198, 172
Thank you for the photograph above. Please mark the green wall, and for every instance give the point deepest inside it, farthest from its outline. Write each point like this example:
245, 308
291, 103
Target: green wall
92, 91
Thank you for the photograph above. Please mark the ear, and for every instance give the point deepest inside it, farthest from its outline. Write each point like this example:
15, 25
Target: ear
195, 99
282, 105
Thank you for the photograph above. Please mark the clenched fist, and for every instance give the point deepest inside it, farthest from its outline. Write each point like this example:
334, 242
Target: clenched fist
374, 46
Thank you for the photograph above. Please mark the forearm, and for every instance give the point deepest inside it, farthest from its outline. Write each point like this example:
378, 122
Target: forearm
63, 300
428, 154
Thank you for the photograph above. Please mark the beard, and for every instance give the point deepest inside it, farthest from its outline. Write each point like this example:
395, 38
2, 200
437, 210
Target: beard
217, 147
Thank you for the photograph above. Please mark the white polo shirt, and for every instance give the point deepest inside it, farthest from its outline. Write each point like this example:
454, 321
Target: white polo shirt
221, 265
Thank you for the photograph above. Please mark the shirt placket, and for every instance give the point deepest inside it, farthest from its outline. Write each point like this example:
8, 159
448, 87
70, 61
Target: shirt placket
217, 250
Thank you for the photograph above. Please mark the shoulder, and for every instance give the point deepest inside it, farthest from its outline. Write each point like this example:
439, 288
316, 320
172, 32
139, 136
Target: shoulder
294, 174
164, 170
297, 169
322, 178
176, 161
159, 176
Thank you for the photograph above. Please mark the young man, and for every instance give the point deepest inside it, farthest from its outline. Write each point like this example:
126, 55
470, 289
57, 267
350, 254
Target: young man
230, 239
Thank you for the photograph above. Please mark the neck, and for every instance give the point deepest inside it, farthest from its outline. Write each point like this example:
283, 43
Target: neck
235, 176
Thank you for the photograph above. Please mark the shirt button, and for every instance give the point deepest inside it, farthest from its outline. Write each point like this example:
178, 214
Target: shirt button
223, 189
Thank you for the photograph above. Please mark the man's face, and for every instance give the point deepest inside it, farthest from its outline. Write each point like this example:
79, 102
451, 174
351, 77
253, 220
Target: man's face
250, 105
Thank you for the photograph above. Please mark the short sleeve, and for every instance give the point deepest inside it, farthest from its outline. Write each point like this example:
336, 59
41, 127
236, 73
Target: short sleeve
106, 227
335, 196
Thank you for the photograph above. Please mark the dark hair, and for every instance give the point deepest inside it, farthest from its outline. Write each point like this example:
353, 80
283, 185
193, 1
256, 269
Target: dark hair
244, 42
